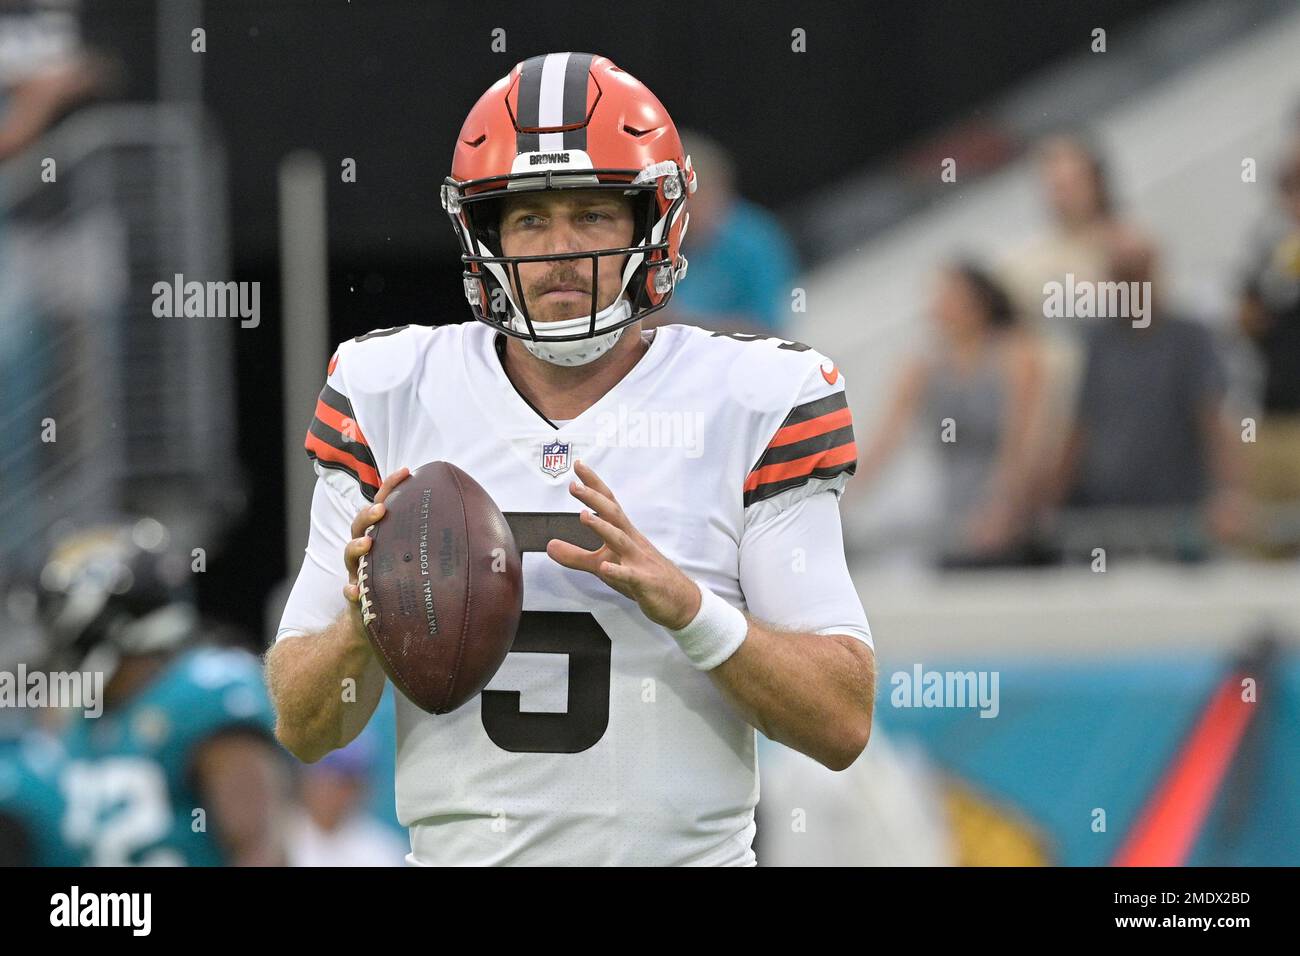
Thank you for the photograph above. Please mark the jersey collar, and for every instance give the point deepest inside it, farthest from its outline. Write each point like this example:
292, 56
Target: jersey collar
502, 403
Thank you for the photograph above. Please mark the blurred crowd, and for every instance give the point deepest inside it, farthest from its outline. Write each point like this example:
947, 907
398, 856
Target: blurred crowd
170, 757
1105, 430
136, 731
1072, 408
1048, 424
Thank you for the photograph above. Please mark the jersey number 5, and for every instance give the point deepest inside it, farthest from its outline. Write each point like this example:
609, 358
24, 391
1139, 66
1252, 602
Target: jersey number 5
574, 633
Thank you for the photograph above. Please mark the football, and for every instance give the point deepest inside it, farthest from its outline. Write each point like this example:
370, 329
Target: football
441, 587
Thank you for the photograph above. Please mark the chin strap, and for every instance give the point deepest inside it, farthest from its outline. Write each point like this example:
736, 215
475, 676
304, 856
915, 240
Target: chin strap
580, 351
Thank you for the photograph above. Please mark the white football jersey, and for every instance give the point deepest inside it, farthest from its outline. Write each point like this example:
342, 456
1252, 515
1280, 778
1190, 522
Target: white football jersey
597, 742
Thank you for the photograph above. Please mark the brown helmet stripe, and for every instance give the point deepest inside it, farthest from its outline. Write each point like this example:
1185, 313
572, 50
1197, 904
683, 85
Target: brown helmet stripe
552, 95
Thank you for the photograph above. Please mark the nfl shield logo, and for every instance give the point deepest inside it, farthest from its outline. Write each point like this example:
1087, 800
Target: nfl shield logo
555, 458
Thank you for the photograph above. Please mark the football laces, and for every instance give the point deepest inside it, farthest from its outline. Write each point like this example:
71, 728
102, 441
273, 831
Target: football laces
367, 615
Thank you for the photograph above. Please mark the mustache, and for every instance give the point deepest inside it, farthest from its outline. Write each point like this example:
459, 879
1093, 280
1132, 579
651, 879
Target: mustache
568, 280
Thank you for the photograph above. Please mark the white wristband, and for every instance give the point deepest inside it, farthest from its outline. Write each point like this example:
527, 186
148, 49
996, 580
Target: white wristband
715, 632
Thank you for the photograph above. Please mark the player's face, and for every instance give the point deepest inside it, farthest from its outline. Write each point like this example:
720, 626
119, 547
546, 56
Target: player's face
566, 221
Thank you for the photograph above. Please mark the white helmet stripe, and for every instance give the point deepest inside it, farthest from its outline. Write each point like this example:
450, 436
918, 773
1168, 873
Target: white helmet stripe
551, 105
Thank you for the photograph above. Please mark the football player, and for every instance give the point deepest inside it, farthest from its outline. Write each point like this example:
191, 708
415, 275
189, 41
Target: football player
31, 804
31, 758
181, 767
692, 586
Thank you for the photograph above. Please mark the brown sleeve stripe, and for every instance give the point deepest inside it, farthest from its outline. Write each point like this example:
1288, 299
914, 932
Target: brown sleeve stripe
326, 451
794, 451
334, 440
773, 488
815, 409
790, 434
345, 425
768, 481
815, 441
335, 400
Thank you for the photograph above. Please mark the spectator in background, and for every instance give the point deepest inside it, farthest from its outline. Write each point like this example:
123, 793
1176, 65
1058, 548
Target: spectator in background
332, 828
1269, 315
741, 265
1149, 434
31, 102
1081, 211
977, 394
1077, 193
44, 73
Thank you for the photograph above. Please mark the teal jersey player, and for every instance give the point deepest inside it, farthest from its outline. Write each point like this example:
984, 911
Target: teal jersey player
130, 786
31, 805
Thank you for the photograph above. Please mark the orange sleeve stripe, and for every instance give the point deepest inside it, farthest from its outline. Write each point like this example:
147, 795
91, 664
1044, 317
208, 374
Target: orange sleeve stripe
802, 466
814, 426
336, 420
328, 452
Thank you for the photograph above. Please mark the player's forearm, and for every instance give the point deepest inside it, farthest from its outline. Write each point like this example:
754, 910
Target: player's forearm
811, 692
324, 686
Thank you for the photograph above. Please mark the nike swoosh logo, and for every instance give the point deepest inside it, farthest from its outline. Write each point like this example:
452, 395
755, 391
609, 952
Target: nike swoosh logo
832, 376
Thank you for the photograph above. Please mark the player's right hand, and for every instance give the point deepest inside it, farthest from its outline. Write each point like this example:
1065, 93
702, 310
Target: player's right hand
360, 542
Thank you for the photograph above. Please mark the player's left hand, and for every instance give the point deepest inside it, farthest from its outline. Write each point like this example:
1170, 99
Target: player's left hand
627, 561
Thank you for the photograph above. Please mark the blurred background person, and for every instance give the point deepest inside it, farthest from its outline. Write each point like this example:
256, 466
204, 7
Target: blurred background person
887, 809
742, 266
1269, 316
977, 391
1076, 193
1078, 199
45, 72
31, 758
1151, 460
181, 767
31, 806
331, 826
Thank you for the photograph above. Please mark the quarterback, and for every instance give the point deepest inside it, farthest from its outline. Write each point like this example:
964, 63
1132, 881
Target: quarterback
690, 585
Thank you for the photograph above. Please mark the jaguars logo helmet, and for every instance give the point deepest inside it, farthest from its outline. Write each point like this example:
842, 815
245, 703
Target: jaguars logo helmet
116, 589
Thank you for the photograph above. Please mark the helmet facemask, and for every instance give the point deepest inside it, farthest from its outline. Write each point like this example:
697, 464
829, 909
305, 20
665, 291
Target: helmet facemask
474, 208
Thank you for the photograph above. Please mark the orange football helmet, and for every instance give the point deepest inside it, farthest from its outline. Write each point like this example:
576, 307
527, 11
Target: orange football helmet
569, 121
